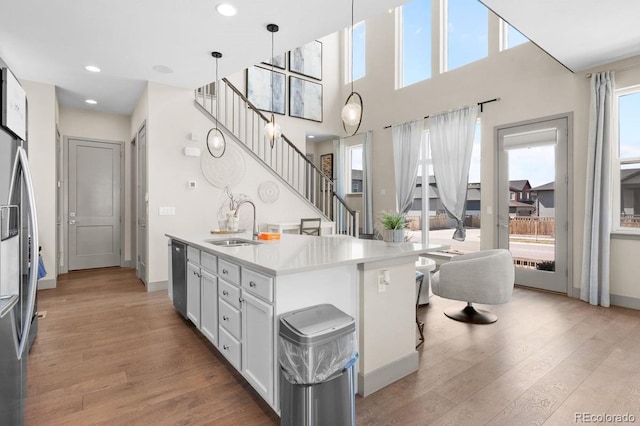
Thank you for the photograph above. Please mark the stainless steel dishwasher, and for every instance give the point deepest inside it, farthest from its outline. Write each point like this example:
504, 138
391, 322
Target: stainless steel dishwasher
179, 276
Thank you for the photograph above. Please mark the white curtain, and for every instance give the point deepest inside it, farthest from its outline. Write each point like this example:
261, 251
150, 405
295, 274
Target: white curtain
597, 224
406, 152
367, 185
451, 138
339, 181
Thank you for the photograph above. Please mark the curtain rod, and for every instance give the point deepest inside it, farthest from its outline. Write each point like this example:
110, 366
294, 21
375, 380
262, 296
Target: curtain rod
480, 104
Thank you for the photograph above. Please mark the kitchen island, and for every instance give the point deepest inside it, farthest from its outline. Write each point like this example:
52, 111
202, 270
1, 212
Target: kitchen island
236, 294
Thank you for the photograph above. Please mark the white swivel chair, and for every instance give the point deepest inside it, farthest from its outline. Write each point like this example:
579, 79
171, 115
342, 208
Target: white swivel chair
483, 277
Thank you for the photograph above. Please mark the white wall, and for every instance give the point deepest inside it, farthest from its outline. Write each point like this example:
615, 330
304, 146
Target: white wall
529, 83
88, 124
296, 128
172, 116
42, 153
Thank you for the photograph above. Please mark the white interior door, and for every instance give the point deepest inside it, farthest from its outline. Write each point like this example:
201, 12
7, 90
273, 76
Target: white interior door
533, 206
142, 207
94, 204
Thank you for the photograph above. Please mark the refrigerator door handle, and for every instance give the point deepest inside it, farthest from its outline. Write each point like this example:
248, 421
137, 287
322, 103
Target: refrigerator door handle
21, 165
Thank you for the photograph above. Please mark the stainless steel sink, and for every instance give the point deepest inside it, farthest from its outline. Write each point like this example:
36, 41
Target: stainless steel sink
233, 242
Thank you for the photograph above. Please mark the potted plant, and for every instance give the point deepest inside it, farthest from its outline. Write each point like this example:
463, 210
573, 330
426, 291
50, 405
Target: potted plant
393, 225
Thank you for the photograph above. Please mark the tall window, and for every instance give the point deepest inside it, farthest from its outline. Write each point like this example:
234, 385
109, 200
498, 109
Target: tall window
510, 37
428, 221
466, 35
354, 169
359, 52
627, 162
414, 42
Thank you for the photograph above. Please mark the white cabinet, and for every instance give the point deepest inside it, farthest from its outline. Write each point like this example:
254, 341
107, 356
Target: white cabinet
258, 345
209, 305
193, 293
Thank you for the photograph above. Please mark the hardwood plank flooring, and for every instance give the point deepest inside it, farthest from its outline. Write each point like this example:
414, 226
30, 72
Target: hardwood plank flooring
109, 353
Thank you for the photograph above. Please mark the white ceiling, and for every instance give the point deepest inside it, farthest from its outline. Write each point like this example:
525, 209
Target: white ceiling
581, 34
52, 41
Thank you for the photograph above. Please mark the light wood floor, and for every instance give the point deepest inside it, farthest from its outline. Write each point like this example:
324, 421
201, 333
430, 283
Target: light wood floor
110, 353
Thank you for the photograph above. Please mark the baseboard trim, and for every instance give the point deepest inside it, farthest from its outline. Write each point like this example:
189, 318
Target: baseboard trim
387, 374
624, 301
47, 284
158, 286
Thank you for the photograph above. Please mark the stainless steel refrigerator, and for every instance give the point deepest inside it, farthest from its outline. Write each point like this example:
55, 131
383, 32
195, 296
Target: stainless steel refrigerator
18, 252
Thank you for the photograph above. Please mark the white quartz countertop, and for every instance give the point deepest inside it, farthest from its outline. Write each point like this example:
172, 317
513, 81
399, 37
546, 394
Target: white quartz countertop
299, 253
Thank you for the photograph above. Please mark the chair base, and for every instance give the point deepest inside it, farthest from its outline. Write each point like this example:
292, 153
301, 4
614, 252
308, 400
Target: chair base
470, 315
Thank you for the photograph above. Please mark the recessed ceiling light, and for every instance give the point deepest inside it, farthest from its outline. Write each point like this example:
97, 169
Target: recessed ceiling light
311, 136
91, 101
225, 9
92, 68
162, 69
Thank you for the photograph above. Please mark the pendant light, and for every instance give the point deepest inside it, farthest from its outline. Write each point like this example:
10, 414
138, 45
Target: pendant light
272, 130
216, 143
352, 110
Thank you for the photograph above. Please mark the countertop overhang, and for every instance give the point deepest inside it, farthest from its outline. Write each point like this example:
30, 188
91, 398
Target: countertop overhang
299, 253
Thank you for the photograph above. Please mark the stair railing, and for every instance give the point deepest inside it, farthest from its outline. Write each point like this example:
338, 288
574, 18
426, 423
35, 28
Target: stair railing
239, 117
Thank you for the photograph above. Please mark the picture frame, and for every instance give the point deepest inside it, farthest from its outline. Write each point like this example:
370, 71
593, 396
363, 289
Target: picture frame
258, 89
14, 105
278, 61
326, 165
305, 99
307, 60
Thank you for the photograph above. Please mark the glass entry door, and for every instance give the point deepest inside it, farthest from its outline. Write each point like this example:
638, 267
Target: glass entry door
533, 201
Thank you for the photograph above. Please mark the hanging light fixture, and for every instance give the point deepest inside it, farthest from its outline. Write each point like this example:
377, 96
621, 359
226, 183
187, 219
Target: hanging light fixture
272, 130
352, 109
216, 143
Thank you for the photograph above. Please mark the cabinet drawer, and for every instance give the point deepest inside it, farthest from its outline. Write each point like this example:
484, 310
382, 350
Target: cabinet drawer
209, 262
229, 271
258, 284
193, 254
229, 293
230, 348
229, 318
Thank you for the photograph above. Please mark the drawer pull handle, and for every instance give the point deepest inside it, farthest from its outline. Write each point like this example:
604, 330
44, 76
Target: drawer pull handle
252, 284
225, 272
225, 293
225, 318
225, 347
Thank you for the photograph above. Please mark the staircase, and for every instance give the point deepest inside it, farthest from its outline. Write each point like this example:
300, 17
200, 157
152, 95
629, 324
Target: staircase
241, 120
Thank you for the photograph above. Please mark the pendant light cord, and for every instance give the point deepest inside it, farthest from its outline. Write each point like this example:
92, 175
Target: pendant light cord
272, 38
216, 87
352, 2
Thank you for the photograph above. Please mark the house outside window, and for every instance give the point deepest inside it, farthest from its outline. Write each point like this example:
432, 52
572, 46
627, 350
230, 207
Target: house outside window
626, 167
413, 24
465, 32
359, 52
428, 221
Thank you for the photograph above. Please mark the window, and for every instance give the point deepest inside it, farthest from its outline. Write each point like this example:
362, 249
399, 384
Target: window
439, 228
414, 42
627, 162
510, 37
359, 52
466, 35
354, 169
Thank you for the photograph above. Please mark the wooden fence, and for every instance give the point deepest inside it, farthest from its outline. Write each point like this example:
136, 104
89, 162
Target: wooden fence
532, 225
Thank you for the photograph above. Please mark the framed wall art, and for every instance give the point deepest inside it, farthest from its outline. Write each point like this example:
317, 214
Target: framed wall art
326, 164
305, 99
307, 60
278, 61
259, 89
14, 105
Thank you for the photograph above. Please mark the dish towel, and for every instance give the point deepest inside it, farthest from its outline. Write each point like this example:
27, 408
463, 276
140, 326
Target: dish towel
41, 271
